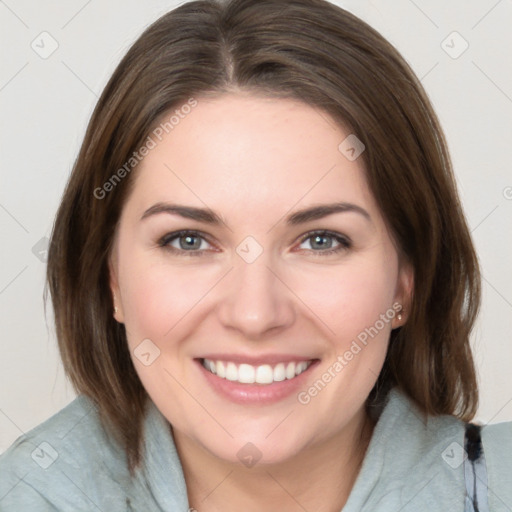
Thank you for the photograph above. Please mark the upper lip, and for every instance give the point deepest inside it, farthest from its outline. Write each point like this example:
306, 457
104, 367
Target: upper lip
257, 360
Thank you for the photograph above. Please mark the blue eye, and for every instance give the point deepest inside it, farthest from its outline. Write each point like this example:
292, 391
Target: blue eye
188, 242
323, 240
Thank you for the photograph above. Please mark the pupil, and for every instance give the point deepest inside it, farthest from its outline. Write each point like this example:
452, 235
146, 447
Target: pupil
189, 243
319, 238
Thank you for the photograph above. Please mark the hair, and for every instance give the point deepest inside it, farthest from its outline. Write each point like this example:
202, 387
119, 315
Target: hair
322, 55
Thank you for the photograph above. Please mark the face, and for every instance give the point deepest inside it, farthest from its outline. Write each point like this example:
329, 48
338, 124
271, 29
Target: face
228, 255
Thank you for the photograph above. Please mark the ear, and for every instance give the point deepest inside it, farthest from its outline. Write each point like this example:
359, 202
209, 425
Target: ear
117, 308
404, 293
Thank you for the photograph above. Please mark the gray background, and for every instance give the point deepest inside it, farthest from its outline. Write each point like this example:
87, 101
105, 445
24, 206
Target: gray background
46, 101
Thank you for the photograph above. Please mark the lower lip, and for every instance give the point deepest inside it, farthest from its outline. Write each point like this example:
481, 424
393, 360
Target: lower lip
256, 393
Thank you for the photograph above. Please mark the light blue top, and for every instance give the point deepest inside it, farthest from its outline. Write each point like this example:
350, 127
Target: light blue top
68, 464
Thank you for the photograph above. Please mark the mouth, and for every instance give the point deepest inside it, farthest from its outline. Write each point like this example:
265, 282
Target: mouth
264, 374
263, 382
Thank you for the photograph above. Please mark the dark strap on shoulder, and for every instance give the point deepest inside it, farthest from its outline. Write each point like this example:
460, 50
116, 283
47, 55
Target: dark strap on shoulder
475, 471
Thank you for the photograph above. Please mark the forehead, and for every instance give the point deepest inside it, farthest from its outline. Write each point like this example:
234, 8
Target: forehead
240, 151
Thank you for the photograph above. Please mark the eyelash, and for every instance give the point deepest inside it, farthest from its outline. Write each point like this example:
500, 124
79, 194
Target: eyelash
344, 242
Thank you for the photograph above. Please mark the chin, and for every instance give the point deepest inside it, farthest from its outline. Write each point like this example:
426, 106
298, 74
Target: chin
255, 446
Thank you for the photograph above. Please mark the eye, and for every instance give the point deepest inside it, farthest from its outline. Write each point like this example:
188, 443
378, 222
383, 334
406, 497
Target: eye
323, 240
185, 241
191, 243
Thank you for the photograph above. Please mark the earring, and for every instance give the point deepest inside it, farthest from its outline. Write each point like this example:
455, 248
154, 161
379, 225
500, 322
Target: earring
399, 316
115, 309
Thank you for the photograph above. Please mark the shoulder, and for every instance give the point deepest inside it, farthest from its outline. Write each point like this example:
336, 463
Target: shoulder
63, 463
497, 450
415, 461
426, 459
497, 438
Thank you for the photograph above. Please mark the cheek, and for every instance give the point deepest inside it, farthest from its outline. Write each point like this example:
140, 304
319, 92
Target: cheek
350, 298
157, 296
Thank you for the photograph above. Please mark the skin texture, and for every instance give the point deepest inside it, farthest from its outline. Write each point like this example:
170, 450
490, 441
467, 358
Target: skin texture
254, 161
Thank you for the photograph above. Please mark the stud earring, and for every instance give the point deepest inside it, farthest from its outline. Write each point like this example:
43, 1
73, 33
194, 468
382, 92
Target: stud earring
399, 316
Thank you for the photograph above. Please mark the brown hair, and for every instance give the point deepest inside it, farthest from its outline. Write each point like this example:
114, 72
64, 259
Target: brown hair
309, 50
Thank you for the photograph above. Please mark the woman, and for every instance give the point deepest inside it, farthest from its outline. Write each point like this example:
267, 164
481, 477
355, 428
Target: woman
263, 283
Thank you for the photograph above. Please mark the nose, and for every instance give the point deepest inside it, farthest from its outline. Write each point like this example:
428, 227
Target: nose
255, 299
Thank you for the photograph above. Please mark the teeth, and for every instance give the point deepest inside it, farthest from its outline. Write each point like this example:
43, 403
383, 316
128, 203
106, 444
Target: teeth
279, 372
219, 367
248, 374
290, 370
264, 374
300, 367
231, 371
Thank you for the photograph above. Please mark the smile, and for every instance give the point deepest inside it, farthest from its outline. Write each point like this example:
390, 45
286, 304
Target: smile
262, 374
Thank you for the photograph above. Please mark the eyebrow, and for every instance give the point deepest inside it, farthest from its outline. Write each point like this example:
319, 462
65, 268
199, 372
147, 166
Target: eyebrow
208, 216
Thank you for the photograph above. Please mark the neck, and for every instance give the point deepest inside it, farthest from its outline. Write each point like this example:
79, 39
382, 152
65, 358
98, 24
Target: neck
318, 478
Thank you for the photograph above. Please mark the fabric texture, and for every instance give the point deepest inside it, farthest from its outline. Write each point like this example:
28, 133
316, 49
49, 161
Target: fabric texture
413, 463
